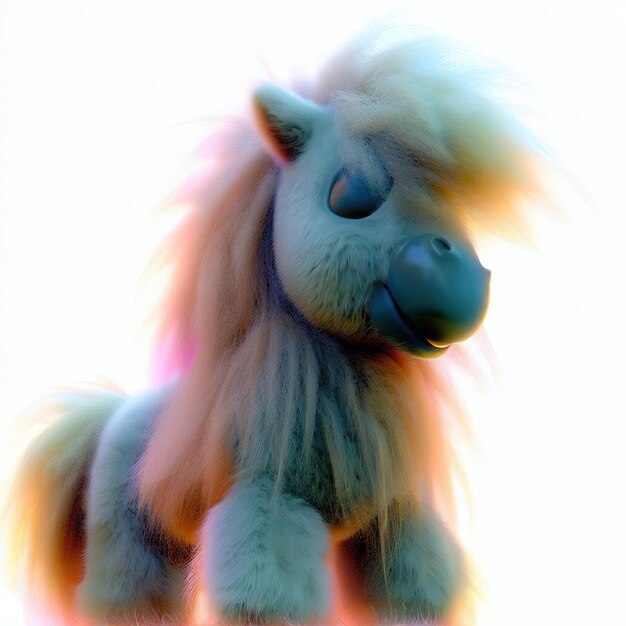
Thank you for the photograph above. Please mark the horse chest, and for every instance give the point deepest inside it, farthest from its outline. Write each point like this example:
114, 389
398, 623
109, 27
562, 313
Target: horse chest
332, 474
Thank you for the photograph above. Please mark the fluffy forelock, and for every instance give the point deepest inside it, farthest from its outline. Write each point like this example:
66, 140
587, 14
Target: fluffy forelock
434, 115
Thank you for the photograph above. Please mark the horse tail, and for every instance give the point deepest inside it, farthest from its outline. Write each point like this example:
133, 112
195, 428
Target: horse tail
44, 514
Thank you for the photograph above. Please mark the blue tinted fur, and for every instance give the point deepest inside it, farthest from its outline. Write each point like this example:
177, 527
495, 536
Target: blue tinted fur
265, 557
128, 572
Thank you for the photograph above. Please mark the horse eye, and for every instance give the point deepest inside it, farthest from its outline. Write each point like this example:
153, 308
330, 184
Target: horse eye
352, 197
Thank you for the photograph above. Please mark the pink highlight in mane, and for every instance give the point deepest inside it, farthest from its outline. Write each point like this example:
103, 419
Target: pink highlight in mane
171, 359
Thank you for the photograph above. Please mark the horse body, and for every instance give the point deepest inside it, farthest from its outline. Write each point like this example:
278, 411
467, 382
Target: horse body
134, 568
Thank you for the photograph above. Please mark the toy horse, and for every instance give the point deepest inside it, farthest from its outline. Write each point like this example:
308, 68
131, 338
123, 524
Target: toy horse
325, 258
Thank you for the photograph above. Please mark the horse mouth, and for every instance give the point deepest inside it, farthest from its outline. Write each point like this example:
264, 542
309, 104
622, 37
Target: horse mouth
392, 323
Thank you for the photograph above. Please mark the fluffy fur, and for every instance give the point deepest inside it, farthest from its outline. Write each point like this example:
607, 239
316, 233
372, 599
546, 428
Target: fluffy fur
264, 560
44, 510
129, 572
286, 406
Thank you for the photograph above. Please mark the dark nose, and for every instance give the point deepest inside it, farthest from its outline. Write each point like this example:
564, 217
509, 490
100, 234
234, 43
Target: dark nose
436, 289
440, 286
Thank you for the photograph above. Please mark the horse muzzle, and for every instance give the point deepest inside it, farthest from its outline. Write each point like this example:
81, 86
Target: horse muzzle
436, 294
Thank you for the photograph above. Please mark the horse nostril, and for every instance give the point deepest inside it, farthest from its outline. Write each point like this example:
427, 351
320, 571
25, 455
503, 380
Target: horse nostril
441, 245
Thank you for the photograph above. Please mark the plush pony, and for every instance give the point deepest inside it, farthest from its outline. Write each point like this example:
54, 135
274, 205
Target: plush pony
325, 258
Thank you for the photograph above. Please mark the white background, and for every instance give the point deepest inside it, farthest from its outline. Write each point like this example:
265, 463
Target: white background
101, 102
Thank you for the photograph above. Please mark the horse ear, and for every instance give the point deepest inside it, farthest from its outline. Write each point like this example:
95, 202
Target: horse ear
285, 120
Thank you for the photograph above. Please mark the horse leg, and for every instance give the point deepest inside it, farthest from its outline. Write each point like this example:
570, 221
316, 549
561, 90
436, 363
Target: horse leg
423, 569
264, 556
128, 576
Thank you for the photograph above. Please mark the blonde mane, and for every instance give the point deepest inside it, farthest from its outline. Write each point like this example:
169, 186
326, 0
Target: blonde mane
240, 350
